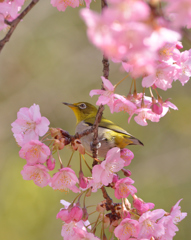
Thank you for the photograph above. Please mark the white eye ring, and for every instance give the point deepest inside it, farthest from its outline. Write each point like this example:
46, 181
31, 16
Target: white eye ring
82, 106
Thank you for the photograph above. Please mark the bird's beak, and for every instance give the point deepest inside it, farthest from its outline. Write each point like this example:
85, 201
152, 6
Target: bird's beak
69, 104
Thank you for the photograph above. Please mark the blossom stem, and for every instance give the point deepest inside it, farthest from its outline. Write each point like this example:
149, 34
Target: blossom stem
121, 81
61, 164
92, 213
70, 159
96, 223
86, 163
45, 136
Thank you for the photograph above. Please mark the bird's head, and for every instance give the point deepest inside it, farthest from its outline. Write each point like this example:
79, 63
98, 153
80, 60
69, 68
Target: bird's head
82, 110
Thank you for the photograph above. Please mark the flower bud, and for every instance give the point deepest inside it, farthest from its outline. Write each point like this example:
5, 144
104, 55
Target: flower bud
50, 163
83, 181
157, 108
77, 145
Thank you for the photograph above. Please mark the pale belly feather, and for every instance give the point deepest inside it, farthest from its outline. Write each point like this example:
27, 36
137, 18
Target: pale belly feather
102, 137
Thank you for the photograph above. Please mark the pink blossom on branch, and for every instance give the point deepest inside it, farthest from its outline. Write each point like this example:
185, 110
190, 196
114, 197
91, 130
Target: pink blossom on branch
126, 229
123, 188
38, 173
65, 179
68, 232
176, 214
149, 226
105, 171
126, 155
29, 124
107, 96
61, 5
34, 152
179, 12
74, 213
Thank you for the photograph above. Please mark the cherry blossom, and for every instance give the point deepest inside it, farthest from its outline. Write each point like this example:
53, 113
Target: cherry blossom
73, 213
61, 5
123, 188
126, 229
176, 214
169, 227
29, 124
141, 206
105, 171
38, 173
125, 105
34, 152
107, 96
50, 162
179, 12
127, 155
149, 226
65, 179
68, 232
84, 235
143, 115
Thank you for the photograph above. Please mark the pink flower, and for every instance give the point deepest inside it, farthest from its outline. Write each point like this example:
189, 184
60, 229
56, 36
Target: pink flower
73, 213
105, 171
179, 12
157, 108
143, 115
38, 173
107, 96
127, 156
123, 188
162, 78
125, 105
94, 185
184, 63
176, 214
50, 162
149, 226
169, 227
83, 181
65, 179
141, 206
61, 5
34, 152
126, 229
30, 124
84, 235
68, 232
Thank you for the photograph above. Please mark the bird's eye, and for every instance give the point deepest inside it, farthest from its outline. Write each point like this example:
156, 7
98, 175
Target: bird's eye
82, 106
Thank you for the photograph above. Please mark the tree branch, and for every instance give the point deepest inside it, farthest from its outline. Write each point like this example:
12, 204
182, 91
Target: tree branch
15, 22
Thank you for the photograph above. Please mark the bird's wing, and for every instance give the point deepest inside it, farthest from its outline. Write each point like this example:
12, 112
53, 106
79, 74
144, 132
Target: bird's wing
105, 123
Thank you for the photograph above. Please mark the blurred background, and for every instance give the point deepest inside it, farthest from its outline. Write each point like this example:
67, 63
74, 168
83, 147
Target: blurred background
49, 60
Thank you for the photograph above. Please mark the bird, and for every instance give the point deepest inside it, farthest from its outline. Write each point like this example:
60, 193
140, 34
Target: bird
109, 134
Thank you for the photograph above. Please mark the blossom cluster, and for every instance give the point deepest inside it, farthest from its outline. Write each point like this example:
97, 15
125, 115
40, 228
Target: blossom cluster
145, 107
27, 128
124, 221
134, 32
62, 5
9, 10
145, 39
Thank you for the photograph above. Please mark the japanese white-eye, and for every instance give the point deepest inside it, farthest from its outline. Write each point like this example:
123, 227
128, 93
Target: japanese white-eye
109, 134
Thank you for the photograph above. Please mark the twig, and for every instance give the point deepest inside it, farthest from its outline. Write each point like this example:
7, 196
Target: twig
15, 22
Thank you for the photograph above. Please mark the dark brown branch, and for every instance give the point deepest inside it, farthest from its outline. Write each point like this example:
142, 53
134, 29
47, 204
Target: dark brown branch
95, 141
15, 22
105, 62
